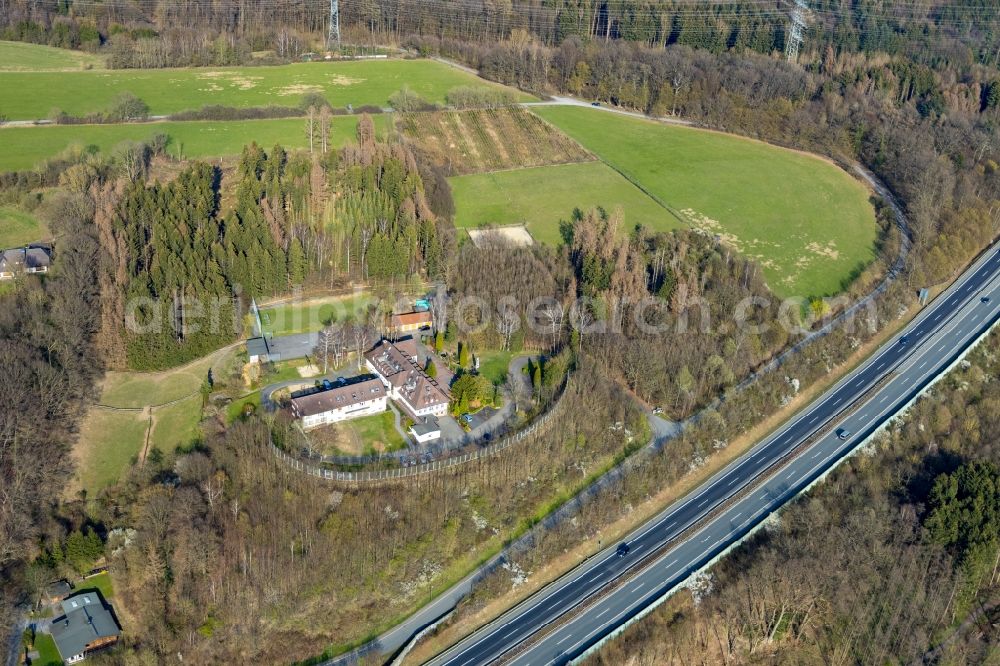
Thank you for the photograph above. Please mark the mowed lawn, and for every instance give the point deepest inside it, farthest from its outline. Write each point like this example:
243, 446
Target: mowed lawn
32, 95
24, 147
18, 228
808, 223
541, 197
313, 315
377, 432
22, 57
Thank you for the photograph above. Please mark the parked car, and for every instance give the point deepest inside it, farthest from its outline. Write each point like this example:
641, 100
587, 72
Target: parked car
622, 549
467, 418
657, 410
595, 103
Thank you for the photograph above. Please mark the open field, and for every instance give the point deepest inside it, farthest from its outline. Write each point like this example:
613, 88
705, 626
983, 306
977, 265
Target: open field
111, 438
28, 96
23, 147
808, 223
109, 441
24, 57
18, 227
312, 315
480, 140
542, 196
141, 389
176, 425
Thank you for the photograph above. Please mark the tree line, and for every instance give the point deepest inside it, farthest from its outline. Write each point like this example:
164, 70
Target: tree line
50, 363
191, 33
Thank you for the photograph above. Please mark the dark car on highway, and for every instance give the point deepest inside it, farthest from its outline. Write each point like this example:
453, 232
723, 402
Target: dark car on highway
622, 550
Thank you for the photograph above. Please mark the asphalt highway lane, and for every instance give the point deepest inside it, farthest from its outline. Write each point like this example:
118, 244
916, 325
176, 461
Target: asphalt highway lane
888, 381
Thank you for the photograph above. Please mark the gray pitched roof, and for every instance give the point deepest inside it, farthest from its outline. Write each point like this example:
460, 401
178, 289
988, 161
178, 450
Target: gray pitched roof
32, 258
425, 427
338, 397
257, 347
85, 620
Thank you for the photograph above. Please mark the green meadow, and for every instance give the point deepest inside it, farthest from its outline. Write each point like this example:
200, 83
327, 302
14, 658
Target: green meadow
33, 95
22, 57
541, 197
24, 147
19, 228
808, 223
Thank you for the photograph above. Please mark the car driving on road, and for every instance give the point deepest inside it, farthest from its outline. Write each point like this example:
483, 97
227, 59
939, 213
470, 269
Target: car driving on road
622, 549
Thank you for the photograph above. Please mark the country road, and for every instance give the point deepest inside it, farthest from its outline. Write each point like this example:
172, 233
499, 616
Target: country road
550, 627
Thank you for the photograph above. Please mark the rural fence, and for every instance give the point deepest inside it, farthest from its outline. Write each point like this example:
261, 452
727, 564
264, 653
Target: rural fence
398, 473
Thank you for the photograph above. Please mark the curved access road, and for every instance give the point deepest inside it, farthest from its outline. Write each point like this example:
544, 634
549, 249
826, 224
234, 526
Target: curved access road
562, 621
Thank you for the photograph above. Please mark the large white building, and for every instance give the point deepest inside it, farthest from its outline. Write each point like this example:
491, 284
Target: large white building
408, 385
340, 403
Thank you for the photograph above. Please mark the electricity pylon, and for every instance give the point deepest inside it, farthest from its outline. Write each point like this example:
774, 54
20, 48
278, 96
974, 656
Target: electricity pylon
795, 29
333, 34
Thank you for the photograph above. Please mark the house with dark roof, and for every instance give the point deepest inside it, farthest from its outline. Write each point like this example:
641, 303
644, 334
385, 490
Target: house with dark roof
407, 383
86, 626
339, 402
425, 430
24, 260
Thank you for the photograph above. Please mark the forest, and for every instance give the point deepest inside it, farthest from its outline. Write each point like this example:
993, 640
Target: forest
178, 270
163, 33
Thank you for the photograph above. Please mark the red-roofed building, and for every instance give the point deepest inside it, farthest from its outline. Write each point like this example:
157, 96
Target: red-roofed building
409, 322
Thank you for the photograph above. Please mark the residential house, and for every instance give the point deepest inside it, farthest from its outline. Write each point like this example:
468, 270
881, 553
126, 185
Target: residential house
408, 385
339, 402
31, 259
410, 322
86, 626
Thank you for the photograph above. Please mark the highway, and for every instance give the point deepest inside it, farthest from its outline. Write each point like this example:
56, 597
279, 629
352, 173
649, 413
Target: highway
560, 622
